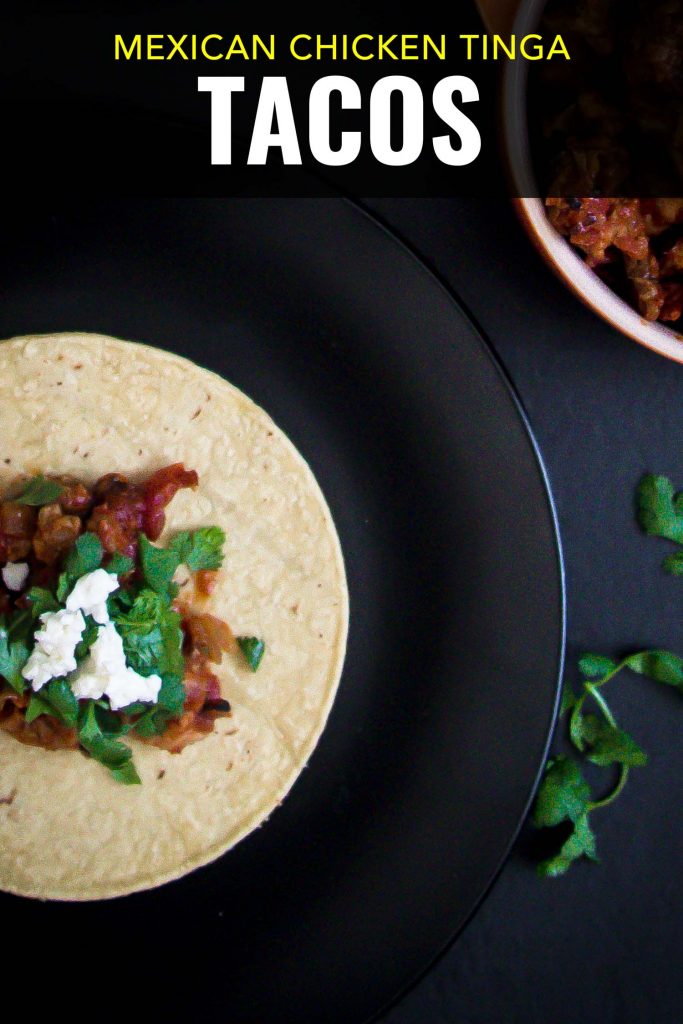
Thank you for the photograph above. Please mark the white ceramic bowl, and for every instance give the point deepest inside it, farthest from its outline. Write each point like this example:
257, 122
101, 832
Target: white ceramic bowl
556, 250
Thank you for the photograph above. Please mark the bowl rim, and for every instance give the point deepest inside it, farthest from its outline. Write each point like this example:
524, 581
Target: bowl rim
553, 247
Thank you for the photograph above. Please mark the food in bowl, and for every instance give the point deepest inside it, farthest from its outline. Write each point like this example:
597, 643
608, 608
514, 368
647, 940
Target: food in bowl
607, 126
635, 245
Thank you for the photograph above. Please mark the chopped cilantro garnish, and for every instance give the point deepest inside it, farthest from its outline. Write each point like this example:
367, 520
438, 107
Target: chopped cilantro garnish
40, 491
120, 564
143, 614
127, 774
171, 662
158, 565
13, 657
171, 696
84, 557
42, 601
20, 626
200, 549
253, 649
56, 698
88, 638
61, 697
103, 748
37, 706
139, 628
153, 642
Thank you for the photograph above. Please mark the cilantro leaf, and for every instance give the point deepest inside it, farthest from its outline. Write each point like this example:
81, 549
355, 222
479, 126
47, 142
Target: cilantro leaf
88, 638
42, 601
151, 723
111, 724
576, 728
171, 696
253, 649
581, 843
143, 614
141, 633
127, 774
182, 544
171, 661
568, 699
20, 626
595, 666
607, 743
170, 704
61, 698
143, 650
200, 549
662, 666
158, 565
659, 513
64, 584
56, 698
614, 746
136, 708
37, 707
40, 491
85, 556
13, 657
674, 563
120, 602
120, 564
563, 793
109, 752
153, 644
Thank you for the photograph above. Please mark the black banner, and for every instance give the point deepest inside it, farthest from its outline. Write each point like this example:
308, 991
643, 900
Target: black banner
577, 99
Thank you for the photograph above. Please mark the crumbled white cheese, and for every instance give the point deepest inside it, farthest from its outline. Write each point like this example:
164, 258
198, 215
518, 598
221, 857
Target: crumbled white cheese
104, 672
90, 594
15, 574
56, 642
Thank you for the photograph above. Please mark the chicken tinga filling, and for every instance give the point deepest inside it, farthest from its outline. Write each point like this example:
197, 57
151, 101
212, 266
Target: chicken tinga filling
98, 638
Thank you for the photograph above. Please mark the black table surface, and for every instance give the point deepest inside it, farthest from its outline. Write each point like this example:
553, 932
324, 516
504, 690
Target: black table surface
603, 943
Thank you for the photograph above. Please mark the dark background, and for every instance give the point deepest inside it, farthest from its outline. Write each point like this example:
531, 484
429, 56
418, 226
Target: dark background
603, 944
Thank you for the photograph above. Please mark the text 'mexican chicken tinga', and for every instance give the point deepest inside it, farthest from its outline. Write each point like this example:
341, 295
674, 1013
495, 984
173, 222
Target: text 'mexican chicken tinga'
173, 616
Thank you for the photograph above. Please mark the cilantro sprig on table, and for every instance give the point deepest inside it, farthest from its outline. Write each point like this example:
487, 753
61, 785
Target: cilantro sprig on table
565, 797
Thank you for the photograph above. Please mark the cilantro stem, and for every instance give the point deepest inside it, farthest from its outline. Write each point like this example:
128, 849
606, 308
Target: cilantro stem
592, 689
600, 700
623, 776
576, 711
606, 678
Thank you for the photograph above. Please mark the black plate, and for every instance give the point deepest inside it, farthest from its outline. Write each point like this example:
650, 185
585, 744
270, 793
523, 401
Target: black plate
415, 793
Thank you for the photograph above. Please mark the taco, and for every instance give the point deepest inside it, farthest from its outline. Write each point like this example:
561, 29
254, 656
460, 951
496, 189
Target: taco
173, 616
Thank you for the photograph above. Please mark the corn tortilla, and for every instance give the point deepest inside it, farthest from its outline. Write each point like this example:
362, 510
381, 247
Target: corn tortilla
86, 404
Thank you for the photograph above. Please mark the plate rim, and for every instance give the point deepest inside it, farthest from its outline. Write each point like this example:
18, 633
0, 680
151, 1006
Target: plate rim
490, 351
